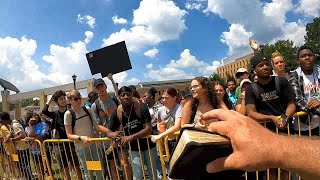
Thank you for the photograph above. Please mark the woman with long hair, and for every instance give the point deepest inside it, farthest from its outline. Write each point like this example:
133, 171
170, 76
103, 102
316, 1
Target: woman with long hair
203, 99
220, 90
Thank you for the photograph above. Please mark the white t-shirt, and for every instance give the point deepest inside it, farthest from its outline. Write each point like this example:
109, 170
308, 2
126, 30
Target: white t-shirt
311, 91
82, 126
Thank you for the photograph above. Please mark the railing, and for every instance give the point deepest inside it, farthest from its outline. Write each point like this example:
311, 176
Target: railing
104, 159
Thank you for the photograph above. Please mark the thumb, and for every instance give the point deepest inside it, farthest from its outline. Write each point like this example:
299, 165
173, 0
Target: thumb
221, 164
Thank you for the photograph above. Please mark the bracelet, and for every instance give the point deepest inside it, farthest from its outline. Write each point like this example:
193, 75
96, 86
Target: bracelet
79, 138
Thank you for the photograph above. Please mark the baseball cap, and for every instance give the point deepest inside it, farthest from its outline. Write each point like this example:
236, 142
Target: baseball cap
97, 82
256, 59
241, 70
244, 81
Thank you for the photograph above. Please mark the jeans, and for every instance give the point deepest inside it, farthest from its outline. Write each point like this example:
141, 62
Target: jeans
138, 169
89, 153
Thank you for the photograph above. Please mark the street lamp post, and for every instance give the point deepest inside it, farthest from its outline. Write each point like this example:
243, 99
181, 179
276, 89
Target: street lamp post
74, 77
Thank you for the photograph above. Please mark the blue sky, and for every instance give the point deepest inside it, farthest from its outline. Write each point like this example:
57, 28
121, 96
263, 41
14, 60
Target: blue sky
42, 44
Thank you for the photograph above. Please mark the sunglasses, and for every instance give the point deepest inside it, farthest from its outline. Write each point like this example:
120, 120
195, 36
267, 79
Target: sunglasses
77, 98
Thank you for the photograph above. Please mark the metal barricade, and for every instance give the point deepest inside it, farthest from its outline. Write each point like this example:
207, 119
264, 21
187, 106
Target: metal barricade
25, 162
102, 158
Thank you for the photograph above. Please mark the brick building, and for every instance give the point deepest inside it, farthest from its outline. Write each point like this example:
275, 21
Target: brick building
232, 63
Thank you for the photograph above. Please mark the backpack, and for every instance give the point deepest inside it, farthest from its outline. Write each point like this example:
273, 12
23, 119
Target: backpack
74, 118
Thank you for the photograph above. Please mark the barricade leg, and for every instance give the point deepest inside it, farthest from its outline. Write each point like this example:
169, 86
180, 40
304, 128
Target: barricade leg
124, 161
150, 161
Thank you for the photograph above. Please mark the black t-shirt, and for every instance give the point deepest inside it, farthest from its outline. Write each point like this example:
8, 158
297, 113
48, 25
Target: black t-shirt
269, 101
133, 125
57, 121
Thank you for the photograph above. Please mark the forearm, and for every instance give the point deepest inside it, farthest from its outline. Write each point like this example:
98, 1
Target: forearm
259, 117
299, 155
19, 137
73, 137
144, 132
103, 129
291, 110
115, 87
41, 137
171, 130
46, 111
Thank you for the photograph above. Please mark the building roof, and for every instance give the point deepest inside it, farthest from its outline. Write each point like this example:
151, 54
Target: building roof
237, 57
162, 83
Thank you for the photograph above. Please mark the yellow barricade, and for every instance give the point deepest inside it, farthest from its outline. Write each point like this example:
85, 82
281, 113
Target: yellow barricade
26, 162
104, 159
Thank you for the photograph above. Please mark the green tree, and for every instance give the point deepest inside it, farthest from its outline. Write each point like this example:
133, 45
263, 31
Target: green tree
229, 77
312, 36
30, 102
216, 77
287, 49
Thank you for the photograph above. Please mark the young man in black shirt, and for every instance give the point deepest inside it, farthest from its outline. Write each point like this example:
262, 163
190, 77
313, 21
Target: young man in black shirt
133, 117
269, 98
65, 151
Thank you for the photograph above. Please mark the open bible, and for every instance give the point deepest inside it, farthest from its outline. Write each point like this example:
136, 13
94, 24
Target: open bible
196, 148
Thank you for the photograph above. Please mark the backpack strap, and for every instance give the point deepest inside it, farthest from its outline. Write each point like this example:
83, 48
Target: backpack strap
115, 100
119, 113
98, 106
254, 86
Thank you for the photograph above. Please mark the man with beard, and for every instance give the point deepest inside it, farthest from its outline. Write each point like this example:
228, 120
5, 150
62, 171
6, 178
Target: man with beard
270, 97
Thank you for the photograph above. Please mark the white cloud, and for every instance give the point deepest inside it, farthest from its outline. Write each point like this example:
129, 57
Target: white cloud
86, 19
188, 66
266, 21
165, 21
149, 66
309, 7
89, 36
236, 38
117, 20
18, 66
186, 60
151, 53
191, 6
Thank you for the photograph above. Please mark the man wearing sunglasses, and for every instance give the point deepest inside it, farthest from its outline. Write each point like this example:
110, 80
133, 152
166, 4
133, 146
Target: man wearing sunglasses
269, 98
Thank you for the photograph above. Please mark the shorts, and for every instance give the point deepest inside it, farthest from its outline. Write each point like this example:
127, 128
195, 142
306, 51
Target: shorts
66, 154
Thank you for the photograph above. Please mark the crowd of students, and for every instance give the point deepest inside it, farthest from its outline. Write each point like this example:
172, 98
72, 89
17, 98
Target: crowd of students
272, 98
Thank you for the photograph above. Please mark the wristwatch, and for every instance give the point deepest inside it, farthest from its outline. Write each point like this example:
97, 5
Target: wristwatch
79, 138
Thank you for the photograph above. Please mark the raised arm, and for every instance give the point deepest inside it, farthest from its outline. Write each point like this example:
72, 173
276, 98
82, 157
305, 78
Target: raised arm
115, 87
